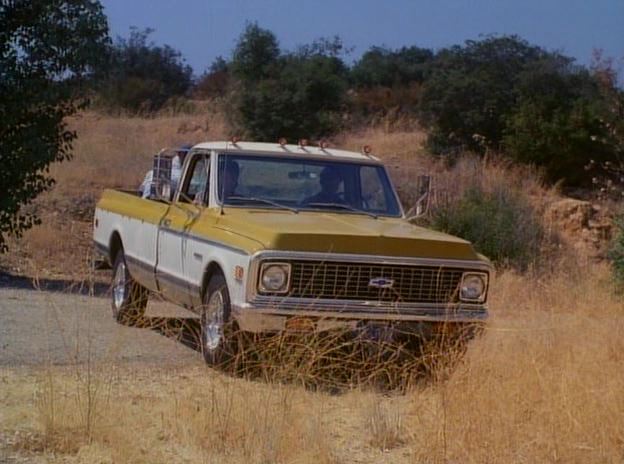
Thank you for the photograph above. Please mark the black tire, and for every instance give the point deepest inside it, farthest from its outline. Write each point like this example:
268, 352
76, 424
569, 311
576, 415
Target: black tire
129, 298
217, 339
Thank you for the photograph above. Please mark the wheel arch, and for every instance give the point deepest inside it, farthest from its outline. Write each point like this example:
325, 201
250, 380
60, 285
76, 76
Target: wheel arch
114, 247
213, 268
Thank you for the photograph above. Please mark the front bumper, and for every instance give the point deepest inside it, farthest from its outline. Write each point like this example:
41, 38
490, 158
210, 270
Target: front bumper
271, 315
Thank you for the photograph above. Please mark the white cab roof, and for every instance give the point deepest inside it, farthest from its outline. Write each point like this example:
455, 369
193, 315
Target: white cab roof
277, 149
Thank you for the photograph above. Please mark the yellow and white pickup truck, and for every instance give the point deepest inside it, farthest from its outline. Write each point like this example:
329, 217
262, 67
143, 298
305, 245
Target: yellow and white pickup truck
258, 237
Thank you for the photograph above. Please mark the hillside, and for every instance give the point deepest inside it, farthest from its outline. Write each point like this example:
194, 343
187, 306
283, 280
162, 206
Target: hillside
544, 382
115, 152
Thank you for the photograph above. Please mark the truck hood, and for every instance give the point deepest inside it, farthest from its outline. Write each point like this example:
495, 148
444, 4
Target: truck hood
343, 233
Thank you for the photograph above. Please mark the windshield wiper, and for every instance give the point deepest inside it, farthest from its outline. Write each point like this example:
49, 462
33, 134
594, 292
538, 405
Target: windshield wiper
344, 206
263, 200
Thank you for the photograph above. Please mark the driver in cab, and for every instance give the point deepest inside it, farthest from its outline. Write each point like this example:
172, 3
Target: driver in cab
330, 180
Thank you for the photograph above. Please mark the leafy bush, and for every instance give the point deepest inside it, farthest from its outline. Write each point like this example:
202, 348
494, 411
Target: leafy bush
141, 76
500, 223
382, 67
616, 254
556, 122
294, 95
215, 82
48, 50
536, 106
256, 50
470, 90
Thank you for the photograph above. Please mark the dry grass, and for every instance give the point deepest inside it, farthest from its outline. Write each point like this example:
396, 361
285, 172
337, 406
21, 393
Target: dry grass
403, 153
110, 152
543, 384
117, 151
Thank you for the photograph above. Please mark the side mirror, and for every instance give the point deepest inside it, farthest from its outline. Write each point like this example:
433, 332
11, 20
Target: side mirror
423, 190
160, 188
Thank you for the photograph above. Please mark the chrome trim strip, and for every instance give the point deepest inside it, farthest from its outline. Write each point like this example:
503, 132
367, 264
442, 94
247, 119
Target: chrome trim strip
178, 233
139, 263
350, 313
463, 264
177, 281
362, 305
161, 275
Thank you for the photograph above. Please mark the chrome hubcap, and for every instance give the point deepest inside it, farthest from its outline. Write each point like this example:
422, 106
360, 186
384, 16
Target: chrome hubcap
119, 286
213, 321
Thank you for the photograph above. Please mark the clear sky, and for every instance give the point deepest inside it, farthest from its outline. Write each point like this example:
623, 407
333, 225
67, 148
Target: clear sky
204, 29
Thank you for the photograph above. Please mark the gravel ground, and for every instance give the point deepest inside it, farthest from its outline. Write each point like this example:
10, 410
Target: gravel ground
57, 328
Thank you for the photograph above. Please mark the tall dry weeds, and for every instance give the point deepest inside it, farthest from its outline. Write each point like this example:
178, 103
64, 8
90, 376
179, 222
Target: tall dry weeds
542, 384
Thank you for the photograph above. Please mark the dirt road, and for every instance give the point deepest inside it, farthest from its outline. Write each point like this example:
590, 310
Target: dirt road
57, 328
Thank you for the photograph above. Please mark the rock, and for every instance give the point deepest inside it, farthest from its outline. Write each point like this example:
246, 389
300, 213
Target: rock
584, 226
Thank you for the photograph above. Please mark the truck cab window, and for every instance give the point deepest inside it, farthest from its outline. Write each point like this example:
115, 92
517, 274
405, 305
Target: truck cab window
195, 187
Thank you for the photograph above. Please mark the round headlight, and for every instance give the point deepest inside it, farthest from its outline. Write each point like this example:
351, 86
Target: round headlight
274, 278
472, 287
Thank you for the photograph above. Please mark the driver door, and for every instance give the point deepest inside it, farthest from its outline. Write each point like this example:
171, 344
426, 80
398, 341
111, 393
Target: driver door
175, 243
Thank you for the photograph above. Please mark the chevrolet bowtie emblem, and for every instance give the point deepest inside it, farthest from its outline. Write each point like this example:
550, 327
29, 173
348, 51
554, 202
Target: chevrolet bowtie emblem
381, 282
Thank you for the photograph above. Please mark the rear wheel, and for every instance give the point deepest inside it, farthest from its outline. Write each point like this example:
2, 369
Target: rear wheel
129, 298
217, 328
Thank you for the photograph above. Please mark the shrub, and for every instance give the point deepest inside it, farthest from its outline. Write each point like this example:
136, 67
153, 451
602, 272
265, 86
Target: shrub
470, 89
255, 52
293, 95
616, 254
500, 223
536, 106
215, 82
557, 123
142, 76
381, 67
48, 49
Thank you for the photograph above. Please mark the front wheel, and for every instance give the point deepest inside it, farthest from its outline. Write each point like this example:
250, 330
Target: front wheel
217, 344
129, 298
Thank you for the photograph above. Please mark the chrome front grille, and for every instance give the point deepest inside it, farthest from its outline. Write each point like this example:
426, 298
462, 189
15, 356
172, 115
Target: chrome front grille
352, 281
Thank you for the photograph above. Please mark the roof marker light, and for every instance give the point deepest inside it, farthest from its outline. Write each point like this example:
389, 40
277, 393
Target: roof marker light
234, 140
366, 149
323, 144
282, 141
303, 143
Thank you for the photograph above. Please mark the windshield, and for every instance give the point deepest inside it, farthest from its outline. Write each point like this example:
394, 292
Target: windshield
304, 184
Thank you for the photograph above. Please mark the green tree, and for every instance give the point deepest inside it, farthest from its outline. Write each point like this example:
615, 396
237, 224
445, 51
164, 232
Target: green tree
557, 122
214, 82
301, 100
256, 50
535, 106
47, 51
500, 223
293, 95
387, 68
142, 76
470, 91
